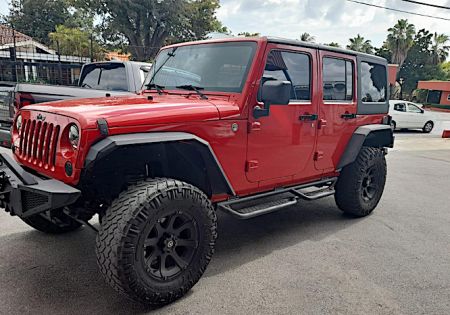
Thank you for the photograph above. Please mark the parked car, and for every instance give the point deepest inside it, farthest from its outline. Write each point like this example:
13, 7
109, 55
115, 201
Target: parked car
407, 115
256, 134
97, 79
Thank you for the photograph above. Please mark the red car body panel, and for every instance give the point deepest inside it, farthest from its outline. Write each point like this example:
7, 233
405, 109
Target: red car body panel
265, 153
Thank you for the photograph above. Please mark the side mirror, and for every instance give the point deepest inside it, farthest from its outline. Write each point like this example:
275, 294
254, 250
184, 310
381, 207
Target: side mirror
273, 92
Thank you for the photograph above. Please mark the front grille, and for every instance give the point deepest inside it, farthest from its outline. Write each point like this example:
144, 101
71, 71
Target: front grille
38, 141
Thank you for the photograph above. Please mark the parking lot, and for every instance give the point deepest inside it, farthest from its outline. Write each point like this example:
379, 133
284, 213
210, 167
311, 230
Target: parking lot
308, 259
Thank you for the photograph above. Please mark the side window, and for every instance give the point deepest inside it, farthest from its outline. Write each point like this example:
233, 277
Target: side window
414, 109
400, 107
292, 67
373, 83
448, 97
337, 79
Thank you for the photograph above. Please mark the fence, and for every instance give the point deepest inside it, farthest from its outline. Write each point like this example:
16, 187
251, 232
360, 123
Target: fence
23, 59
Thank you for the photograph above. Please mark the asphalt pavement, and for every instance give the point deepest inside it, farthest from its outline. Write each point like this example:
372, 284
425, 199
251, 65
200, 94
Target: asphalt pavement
308, 259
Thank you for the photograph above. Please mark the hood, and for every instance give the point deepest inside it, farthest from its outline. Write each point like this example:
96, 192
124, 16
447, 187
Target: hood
134, 110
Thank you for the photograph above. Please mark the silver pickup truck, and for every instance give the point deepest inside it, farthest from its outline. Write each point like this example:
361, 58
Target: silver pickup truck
97, 79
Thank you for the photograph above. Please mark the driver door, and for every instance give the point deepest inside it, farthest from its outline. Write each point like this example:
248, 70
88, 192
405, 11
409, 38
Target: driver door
282, 144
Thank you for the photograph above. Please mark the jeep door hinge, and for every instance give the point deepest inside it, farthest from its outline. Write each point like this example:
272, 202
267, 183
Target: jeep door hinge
251, 165
318, 155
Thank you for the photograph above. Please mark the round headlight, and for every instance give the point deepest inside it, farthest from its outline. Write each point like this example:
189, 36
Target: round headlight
19, 122
74, 136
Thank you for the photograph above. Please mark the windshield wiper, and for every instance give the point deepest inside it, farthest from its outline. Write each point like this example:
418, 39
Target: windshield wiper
158, 88
194, 88
156, 71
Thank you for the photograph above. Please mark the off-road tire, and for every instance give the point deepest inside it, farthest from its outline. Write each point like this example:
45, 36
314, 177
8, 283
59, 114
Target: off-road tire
356, 194
147, 207
58, 224
428, 127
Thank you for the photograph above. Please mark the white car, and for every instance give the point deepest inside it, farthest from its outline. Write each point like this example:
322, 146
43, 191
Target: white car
407, 115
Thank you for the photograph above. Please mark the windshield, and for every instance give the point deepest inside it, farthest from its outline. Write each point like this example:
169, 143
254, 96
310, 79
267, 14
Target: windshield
213, 67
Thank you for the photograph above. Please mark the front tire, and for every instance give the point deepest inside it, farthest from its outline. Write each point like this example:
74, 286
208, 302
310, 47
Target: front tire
428, 127
156, 240
361, 184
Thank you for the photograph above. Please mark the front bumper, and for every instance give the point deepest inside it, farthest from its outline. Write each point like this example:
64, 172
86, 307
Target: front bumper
24, 194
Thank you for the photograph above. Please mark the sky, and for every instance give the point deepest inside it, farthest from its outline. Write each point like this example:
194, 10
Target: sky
327, 20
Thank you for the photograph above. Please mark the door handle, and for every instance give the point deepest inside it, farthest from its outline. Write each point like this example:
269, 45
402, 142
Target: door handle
348, 116
308, 117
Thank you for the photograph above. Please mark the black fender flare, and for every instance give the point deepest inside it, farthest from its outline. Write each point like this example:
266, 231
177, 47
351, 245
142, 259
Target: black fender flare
377, 135
108, 145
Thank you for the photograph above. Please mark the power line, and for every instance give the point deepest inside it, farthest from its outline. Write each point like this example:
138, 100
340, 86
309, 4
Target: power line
427, 4
397, 10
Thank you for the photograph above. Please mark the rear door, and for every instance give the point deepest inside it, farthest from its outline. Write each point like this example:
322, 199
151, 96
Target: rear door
337, 107
282, 144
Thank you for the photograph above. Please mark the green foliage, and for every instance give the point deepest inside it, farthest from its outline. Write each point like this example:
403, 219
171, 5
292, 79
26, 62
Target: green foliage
306, 37
74, 41
360, 44
333, 44
440, 49
418, 65
445, 66
384, 52
147, 25
400, 39
37, 18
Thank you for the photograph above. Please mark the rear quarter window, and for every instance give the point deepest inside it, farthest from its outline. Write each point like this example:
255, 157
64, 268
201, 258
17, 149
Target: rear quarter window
373, 89
373, 83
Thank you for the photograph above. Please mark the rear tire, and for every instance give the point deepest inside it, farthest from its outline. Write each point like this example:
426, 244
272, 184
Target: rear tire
361, 184
428, 127
156, 240
52, 222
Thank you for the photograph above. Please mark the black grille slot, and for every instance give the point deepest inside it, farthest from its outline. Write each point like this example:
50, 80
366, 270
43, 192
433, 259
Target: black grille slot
32, 200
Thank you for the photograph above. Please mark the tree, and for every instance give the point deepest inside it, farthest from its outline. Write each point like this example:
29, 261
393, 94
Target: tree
445, 66
333, 44
306, 37
360, 44
400, 40
440, 49
37, 18
418, 66
74, 41
149, 24
384, 52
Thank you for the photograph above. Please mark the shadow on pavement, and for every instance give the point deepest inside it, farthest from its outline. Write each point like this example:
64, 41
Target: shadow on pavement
58, 274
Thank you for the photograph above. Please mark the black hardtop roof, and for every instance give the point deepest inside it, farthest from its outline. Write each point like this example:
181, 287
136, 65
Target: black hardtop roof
293, 42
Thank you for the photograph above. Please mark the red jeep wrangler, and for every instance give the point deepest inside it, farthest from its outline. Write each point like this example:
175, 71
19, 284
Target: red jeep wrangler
245, 125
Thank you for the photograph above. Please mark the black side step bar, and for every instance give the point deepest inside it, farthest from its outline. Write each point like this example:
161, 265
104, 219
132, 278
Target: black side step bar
256, 205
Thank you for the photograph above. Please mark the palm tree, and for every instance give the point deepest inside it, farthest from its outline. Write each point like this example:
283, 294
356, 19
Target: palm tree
400, 39
439, 48
360, 44
306, 37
